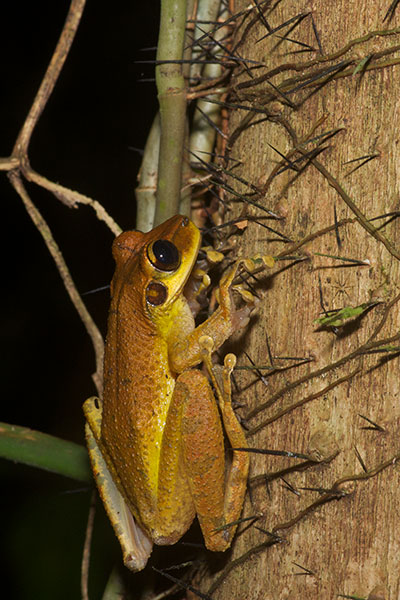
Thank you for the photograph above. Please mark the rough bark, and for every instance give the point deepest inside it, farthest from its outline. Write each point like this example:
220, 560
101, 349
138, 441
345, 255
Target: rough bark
338, 527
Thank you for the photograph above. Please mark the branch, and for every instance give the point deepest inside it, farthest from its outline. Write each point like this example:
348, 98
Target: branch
172, 99
50, 79
44, 451
69, 284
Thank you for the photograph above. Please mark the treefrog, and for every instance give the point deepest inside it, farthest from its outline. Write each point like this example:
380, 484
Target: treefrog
156, 441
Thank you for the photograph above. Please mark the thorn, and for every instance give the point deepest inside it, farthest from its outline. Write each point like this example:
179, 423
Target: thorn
301, 359
290, 487
375, 426
390, 214
278, 233
267, 485
393, 215
262, 17
338, 240
227, 21
319, 490
180, 61
307, 47
290, 164
240, 179
353, 261
366, 160
306, 571
244, 199
360, 460
180, 566
140, 151
391, 10
222, 156
246, 281
218, 43
294, 257
307, 158
182, 584
257, 370
323, 137
262, 111
321, 297
220, 183
271, 360
286, 453
253, 518
284, 96
202, 21
99, 289
222, 60
316, 35
285, 36
223, 225
192, 545
211, 122
330, 70
274, 536
296, 20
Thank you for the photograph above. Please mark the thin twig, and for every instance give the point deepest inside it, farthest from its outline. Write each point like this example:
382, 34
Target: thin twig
69, 284
53, 70
86, 547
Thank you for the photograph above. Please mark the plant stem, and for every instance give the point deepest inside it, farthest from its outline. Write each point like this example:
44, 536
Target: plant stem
172, 100
44, 451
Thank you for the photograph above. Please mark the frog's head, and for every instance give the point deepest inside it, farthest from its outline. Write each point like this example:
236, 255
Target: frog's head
157, 264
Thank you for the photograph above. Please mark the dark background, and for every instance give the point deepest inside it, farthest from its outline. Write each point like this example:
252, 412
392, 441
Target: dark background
98, 112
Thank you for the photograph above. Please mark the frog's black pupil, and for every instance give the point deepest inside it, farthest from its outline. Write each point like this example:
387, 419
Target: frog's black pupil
166, 253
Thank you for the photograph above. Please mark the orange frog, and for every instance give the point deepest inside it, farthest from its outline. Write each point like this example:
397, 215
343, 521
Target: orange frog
155, 441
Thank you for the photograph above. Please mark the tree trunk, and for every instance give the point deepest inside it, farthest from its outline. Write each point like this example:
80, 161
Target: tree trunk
333, 514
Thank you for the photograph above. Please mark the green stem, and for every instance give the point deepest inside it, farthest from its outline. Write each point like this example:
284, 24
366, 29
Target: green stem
44, 451
172, 100
146, 190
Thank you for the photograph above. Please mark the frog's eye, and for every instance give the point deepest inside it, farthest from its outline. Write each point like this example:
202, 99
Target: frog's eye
164, 255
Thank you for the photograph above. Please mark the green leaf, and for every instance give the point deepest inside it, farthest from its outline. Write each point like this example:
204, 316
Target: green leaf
338, 318
44, 451
360, 66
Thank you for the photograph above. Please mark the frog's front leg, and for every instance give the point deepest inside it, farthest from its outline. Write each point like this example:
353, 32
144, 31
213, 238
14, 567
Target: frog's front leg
135, 543
185, 351
218, 500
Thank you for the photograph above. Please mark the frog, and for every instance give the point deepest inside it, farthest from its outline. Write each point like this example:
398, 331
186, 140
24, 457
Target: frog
156, 438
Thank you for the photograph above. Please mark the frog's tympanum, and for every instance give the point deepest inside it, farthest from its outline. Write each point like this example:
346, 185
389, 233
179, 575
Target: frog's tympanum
156, 441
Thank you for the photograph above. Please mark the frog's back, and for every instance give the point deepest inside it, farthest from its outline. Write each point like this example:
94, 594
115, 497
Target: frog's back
138, 387
146, 292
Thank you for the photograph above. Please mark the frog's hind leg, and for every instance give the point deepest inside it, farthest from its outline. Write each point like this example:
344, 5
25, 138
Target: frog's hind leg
135, 543
218, 499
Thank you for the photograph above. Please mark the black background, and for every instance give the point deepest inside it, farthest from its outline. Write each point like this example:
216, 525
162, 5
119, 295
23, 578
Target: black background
98, 112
